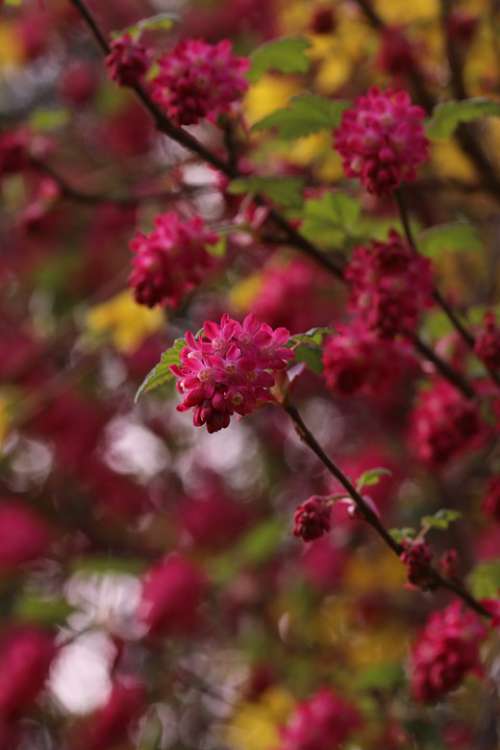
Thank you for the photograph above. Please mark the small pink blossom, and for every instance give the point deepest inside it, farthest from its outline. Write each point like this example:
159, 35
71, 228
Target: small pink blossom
487, 346
323, 722
127, 61
199, 80
230, 368
171, 260
446, 651
491, 503
416, 557
390, 285
312, 519
381, 140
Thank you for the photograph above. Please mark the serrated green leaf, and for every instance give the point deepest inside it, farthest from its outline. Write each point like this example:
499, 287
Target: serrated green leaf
161, 373
407, 532
45, 120
303, 116
448, 115
286, 55
371, 477
441, 519
460, 235
331, 219
285, 191
484, 580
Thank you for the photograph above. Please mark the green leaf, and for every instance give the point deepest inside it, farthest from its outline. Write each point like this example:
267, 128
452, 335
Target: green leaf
103, 565
448, 115
286, 55
460, 235
13, 3
158, 22
312, 336
41, 610
44, 120
407, 532
371, 477
285, 191
484, 580
219, 248
310, 356
331, 219
441, 519
303, 116
386, 676
161, 373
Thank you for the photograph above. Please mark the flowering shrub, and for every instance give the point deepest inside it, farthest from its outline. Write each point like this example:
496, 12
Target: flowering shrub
276, 221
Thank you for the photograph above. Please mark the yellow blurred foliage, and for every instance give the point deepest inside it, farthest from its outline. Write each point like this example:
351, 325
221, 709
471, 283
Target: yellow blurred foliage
125, 322
245, 292
11, 50
367, 572
402, 11
255, 726
4, 419
267, 95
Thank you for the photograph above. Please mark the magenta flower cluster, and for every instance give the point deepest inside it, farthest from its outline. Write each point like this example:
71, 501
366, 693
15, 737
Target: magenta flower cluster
381, 140
199, 80
312, 518
127, 61
417, 557
323, 722
446, 651
230, 368
171, 260
487, 344
390, 286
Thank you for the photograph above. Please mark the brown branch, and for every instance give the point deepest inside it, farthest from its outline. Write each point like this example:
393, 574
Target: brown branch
438, 581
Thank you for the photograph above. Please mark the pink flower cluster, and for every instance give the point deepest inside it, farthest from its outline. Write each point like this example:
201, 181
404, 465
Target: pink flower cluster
381, 140
199, 80
416, 557
491, 503
312, 519
26, 654
444, 423
487, 346
356, 361
24, 536
230, 368
390, 285
171, 260
127, 61
323, 722
445, 652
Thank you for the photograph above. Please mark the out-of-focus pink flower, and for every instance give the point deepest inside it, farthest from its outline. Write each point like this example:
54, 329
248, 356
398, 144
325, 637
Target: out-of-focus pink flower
24, 536
13, 151
110, 725
199, 80
323, 563
212, 520
390, 286
312, 519
357, 362
78, 83
323, 20
127, 61
487, 346
448, 563
25, 657
444, 424
416, 557
381, 140
230, 368
446, 651
396, 54
491, 503
171, 596
462, 26
323, 722
171, 260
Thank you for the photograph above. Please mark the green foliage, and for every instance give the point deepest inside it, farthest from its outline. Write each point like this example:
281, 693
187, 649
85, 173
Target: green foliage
98, 565
305, 114
331, 220
386, 676
286, 55
441, 519
285, 191
372, 477
161, 374
308, 348
484, 580
399, 535
43, 120
218, 249
158, 22
13, 3
41, 610
460, 235
254, 549
448, 115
